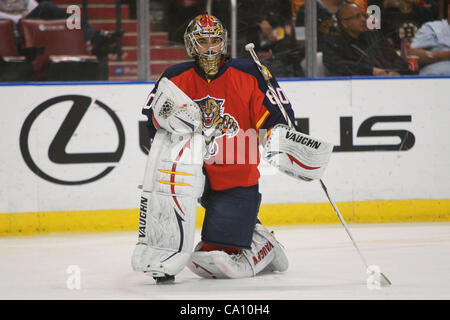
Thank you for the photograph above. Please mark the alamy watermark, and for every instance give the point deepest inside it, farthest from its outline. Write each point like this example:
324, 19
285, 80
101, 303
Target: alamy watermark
373, 281
73, 282
374, 17
74, 20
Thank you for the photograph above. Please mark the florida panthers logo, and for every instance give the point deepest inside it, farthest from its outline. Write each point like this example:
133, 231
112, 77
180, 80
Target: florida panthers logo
216, 123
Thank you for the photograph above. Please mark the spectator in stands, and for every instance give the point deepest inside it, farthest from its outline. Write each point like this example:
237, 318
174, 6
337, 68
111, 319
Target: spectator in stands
400, 20
432, 45
326, 19
359, 51
179, 13
272, 19
17, 10
257, 20
267, 24
295, 6
270, 29
277, 51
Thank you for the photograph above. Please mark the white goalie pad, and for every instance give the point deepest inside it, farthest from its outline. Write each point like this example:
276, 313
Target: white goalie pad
266, 255
173, 182
174, 111
297, 154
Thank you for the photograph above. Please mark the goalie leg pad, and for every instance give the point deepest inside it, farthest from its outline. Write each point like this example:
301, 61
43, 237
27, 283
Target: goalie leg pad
266, 255
280, 261
203, 263
172, 184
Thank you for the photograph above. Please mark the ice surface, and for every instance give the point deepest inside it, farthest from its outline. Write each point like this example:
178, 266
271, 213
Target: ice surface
323, 265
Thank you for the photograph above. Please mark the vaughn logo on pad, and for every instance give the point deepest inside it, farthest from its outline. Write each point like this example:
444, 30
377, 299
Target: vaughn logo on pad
303, 140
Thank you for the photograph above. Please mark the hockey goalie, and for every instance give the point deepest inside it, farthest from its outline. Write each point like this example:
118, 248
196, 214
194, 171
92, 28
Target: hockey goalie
207, 118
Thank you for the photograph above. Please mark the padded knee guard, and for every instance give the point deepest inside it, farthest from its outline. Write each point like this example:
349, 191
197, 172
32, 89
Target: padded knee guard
266, 254
172, 184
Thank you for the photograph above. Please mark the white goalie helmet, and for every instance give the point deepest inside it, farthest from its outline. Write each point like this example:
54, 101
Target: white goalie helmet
205, 38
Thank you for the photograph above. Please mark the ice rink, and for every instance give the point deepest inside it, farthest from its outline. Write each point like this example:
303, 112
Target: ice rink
323, 265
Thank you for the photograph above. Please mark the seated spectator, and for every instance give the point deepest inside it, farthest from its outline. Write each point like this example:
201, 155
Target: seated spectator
295, 6
273, 41
272, 20
326, 19
363, 4
267, 24
400, 19
432, 45
17, 10
276, 50
179, 14
257, 21
359, 51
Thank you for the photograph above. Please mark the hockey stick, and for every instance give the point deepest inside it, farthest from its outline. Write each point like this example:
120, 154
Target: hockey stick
384, 281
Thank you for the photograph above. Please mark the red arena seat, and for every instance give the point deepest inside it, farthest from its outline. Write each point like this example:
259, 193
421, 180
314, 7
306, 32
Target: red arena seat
13, 68
7, 44
57, 40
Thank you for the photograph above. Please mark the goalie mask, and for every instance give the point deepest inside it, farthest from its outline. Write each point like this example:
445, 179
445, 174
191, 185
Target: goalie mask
205, 39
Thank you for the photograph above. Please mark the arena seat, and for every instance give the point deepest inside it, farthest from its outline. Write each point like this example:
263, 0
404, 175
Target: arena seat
7, 45
13, 67
58, 40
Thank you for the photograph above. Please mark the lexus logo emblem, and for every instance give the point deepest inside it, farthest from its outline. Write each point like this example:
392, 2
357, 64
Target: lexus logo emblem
57, 150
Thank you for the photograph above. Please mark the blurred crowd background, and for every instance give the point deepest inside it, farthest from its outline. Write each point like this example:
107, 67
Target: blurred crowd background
38, 41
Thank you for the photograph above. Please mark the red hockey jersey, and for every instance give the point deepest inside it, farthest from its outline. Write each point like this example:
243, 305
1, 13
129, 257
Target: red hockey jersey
238, 111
